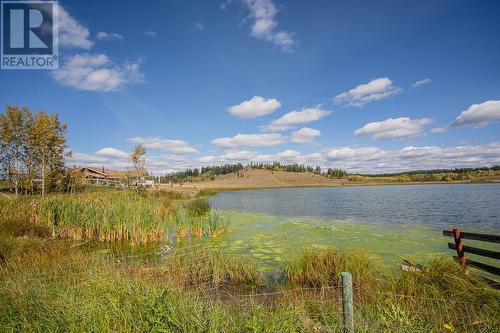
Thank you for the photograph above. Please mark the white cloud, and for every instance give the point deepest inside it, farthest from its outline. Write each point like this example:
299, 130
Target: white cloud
242, 155
394, 128
287, 156
305, 135
376, 160
438, 130
199, 26
265, 24
72, 34
109, 36
296, 118
347, 152
359, 159
112, 152
479, 115
91, 72
150, 33
86, 159
374, 90
353, 159
255, 107
115, 159
250, 140
160, 165
177, 147
97, 73
420, 83
225, 4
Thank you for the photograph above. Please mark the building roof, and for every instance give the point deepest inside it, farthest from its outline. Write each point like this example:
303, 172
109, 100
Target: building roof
103, 172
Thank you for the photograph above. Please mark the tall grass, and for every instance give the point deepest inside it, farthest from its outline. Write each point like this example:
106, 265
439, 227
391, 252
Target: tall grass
195, 289
46, 285
205, 193
317, 267
202, 265
60, 289
108, 215
439, 298
197, 207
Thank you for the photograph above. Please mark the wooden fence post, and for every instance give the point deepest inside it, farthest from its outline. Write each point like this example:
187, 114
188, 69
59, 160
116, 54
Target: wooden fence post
459, 246
347, 304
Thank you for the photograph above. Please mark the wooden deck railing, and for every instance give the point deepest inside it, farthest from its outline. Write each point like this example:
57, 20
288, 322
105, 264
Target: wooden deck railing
462, 249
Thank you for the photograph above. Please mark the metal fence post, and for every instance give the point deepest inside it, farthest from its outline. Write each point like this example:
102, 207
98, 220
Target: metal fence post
347, 304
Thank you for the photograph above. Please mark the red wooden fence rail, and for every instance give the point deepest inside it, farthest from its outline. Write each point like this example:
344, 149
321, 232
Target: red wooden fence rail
462, 249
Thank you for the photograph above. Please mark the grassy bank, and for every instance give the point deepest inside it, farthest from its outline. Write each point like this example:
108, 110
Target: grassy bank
109, 215
52, 286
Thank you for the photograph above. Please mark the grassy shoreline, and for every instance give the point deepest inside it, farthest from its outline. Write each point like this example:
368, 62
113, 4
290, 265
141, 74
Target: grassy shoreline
52, 279
52, 287
109, 214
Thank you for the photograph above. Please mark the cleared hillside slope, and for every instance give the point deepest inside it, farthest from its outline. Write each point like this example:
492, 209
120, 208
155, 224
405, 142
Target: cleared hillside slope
256, 178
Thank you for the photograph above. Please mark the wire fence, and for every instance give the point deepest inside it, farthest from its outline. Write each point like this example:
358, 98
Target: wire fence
194, 269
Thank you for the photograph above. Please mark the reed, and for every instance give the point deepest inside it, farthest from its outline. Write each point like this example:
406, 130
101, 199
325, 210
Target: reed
204, 265
197, 207
110, 215
206, 193
318, 267
440, 298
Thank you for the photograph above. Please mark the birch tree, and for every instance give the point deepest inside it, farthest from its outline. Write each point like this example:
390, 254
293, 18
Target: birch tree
138, 159
47, 145
14, 124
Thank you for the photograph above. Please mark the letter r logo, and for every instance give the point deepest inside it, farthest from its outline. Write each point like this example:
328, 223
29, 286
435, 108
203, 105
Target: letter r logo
27, 27
29, 36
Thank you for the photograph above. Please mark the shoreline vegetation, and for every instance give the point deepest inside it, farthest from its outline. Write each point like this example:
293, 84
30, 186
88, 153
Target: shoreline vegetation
256, 178
51, 287
106, 214
65, 266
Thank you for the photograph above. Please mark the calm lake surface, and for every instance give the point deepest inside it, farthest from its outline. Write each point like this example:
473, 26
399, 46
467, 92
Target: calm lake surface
470, 206
388, 222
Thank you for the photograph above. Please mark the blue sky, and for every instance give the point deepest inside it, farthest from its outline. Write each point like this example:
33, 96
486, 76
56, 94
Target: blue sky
361, 85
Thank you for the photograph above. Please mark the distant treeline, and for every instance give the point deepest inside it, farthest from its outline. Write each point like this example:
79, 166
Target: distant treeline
335, 173
433, 171
222, 169
277, 166
210, 171
215, 170
434, 175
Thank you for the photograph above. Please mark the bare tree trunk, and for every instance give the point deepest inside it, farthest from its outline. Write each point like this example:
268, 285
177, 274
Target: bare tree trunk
32, 184
43, 176
9, 175
16, 178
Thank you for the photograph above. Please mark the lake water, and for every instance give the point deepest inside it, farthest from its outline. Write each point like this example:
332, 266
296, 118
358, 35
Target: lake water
472, 206
390, 222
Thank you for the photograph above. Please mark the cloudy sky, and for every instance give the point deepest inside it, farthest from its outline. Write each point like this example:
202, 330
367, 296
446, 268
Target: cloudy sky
365, 86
